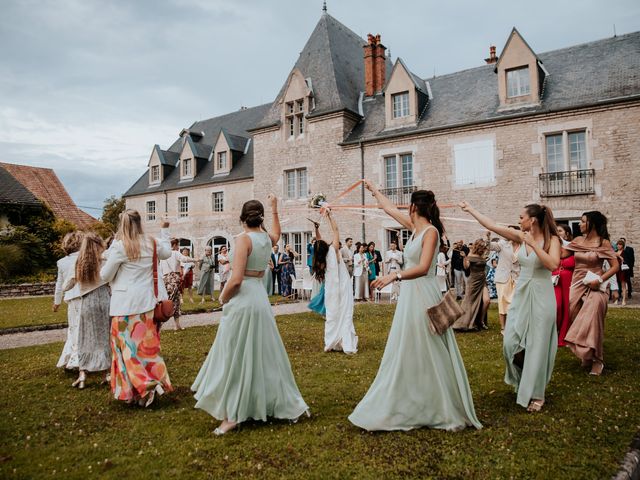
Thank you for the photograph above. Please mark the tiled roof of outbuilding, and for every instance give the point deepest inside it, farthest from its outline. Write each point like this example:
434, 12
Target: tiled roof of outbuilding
12, 192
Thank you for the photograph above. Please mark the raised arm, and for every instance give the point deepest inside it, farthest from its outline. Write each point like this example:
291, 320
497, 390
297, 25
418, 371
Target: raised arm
164, 242
275, 222
488, 223
388, 206
335, 239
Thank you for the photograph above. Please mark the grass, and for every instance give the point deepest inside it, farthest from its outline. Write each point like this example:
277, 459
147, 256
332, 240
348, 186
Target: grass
50, 430
32, 311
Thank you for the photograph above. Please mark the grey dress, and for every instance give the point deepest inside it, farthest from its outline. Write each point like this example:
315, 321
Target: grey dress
94, 329
207, 275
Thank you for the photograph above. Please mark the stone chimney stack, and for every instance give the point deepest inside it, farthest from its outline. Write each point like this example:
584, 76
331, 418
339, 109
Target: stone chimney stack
375, 65
492, 55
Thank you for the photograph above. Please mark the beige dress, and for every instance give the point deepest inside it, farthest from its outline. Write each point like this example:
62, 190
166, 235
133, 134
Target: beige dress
587, 308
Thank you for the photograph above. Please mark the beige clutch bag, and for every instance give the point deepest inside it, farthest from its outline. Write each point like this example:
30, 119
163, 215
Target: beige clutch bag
444, 314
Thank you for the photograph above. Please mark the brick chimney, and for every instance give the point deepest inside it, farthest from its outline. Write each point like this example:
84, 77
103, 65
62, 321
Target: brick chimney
493, 58
375, 65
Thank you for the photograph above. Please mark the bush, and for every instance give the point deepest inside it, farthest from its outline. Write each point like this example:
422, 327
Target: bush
11, 260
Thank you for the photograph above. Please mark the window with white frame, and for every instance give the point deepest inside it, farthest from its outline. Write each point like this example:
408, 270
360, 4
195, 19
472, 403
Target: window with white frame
187, 167
474, 163
566, 151
400, 104
155, 174
518, 83
294, 114
295, 239
183, 206
217, 201
151, 210
222, 161
398, 170
295, 183
398, 237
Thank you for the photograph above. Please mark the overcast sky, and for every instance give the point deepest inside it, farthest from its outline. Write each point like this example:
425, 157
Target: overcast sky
87, 87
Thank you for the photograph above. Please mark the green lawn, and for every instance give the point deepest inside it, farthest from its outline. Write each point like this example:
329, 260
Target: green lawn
50, 430
31, 311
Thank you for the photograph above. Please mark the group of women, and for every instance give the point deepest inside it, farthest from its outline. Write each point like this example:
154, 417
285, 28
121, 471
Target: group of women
367, 266
421, 380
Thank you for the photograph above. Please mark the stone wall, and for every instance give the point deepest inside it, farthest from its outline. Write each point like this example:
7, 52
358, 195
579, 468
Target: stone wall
27, 289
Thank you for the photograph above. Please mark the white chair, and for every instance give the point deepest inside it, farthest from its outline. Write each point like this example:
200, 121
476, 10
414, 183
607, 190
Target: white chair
297, 286
307, 283
216, 279
385, 290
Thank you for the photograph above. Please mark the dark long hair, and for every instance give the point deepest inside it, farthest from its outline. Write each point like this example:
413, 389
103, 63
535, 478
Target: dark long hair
319, 265
547, 223
567, 230
598, 222
252, 213
425, 203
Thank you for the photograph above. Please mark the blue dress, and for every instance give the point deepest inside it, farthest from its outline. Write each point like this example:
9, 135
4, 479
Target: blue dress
421, 380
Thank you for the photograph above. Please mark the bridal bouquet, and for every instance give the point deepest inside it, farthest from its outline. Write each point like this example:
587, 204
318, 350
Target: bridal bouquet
318, 201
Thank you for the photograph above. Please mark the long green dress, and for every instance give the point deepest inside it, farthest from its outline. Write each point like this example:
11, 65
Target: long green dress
530, 330
247, 373
421, 380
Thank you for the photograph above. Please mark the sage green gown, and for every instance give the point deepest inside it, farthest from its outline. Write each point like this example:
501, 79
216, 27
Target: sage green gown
421, 381
531, 329
247, 373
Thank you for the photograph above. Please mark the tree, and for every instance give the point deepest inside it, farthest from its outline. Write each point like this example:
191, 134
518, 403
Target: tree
113, 207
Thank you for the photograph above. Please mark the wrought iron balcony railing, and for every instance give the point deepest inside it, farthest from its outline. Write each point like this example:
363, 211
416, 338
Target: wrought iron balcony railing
399, 195
575, 182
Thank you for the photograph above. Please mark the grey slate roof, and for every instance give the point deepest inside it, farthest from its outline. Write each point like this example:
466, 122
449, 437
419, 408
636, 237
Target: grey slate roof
333, 58
12, 192
199, 149
236, 142
595, 72
236, 125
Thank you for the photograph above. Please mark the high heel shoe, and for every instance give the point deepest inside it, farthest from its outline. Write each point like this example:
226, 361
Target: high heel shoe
597, 368
79, 383
218, 432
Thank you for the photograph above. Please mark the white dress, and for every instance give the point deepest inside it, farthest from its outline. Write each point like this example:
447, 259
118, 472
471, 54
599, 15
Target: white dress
339, 332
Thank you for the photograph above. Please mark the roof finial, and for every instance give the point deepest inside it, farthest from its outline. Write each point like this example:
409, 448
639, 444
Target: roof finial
324, 6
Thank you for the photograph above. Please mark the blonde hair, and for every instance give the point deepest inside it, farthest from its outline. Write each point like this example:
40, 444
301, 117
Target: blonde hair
479, 247
130, 233
89, 259
71, 242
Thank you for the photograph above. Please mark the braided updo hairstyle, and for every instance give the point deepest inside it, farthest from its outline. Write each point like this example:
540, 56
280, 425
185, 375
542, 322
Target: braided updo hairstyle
252, 213
425, 203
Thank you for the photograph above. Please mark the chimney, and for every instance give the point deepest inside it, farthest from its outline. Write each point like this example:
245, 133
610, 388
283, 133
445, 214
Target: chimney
492, 55
374, 65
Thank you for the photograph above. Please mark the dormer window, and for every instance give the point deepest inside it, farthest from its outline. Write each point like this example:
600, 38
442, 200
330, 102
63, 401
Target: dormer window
400, 104
294, 114
155, 174
222, 161
187, 167
518, 82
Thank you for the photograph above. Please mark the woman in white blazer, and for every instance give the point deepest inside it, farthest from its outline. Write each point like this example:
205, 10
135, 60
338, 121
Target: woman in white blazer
138, 371
360, 275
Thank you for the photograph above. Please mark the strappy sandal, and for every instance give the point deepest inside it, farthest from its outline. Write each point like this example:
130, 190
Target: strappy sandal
535, 405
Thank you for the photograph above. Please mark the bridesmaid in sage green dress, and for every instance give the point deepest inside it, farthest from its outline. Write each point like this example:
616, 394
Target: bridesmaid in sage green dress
247, 373
530, 339
421, 381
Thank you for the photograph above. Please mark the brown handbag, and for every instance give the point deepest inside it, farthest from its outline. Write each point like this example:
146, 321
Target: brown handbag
163, 310
444, 314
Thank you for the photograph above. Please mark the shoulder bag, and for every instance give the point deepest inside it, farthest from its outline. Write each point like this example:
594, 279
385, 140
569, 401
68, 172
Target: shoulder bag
163, 310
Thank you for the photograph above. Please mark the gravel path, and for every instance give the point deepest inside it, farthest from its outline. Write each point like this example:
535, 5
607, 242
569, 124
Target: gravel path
17, 340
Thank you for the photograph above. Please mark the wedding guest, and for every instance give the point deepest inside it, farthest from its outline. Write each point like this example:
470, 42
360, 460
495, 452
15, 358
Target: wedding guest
441, 268
393, 259
310, 246
288, 269
378, 260
530, 338
491, 277
588, 300
138, 371
373, 270
224, 266
187, 274
457, 259
170, 270
562, 279
207, 275
505, 276
276, 256
629, 260
94, 347
64, 282
421, 380
247, 374
347, 255
335, 300
623, 274
361, 273
476, 299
